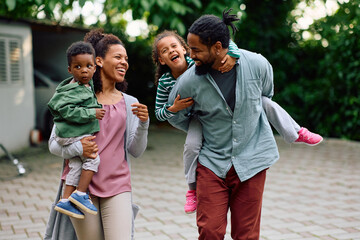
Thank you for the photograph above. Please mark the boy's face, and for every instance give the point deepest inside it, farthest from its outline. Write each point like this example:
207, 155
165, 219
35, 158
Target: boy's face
172, 53
82, 68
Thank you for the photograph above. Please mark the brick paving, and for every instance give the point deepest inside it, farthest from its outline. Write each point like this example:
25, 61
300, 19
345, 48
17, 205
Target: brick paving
311, 193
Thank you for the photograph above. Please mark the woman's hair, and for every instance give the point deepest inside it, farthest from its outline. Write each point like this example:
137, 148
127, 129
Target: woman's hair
102, 42
211, 28
161, 69
78, 48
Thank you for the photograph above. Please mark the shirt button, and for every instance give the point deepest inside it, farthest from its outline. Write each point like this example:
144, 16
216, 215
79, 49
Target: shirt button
234, 139
233, 157
234, 122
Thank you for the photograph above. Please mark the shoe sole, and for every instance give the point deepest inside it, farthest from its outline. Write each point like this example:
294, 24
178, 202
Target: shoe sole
311, 145
190, 212
82, 207
70, 214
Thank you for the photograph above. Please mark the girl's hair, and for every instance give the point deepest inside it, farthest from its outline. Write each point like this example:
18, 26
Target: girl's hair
102, 42
211, 29
78, 48
161, 69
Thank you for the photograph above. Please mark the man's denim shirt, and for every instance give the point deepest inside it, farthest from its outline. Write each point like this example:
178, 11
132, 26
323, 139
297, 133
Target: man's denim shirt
242, 138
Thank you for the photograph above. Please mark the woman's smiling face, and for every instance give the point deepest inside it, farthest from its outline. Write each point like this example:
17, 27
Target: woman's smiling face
115, 64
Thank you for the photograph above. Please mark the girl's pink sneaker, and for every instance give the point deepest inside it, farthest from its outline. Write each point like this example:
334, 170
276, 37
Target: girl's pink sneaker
309, 138
190, 205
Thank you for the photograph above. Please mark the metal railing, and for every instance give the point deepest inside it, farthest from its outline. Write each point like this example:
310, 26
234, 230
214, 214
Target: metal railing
20, 167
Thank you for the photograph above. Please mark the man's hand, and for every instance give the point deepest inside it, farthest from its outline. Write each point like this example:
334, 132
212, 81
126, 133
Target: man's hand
180, 104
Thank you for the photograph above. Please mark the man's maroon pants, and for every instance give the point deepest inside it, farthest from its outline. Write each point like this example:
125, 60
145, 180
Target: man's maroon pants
216, 195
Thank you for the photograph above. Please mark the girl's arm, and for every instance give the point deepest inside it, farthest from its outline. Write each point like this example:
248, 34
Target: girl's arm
230, 58
180, 120
163, 110
161, 107
234, 51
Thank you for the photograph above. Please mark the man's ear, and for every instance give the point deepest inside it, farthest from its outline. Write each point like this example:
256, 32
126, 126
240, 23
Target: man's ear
69, 69
99, 61
217, 47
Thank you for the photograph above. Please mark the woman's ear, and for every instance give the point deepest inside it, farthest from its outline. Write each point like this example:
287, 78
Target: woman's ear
99, 61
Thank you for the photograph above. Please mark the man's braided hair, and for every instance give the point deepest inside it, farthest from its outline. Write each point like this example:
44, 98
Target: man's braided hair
211, 28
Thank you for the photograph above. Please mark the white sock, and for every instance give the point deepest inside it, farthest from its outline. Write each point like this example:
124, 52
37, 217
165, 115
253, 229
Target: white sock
64, 200
80, 193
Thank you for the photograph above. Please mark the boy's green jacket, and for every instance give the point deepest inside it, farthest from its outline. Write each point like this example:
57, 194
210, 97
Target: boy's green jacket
73, 108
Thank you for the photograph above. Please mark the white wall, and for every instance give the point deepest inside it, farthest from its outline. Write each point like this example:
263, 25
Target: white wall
17, 110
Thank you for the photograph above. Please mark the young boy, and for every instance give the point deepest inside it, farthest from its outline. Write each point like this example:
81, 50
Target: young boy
76, 113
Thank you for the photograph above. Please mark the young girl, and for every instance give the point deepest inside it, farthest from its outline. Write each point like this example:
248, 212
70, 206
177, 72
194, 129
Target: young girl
170, 55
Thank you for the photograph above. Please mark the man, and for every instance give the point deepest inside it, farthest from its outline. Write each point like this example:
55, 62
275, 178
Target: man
238, 145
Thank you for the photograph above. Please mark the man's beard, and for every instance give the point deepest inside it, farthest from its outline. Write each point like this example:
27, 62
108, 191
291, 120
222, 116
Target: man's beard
203, 68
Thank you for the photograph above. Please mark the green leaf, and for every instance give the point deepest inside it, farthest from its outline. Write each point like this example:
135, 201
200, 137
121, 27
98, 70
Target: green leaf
181, 28
157, 20
126, 2
177, 24
82, 3
52, 4
161, 3
179, 8
197, 3
11, 4
145, 4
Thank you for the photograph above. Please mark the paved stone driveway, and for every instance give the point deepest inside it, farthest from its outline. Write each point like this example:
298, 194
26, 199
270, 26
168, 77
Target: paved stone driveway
311, 193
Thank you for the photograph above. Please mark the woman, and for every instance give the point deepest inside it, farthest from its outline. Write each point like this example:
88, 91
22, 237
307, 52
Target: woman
123, 131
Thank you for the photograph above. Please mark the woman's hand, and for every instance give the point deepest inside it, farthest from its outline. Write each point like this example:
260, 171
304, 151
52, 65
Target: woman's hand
228, 63
90, 148
141, 111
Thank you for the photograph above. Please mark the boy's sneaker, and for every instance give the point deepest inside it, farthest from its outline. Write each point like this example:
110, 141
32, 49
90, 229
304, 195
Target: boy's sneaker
83, 202
191, 201
69, 209
309, 138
